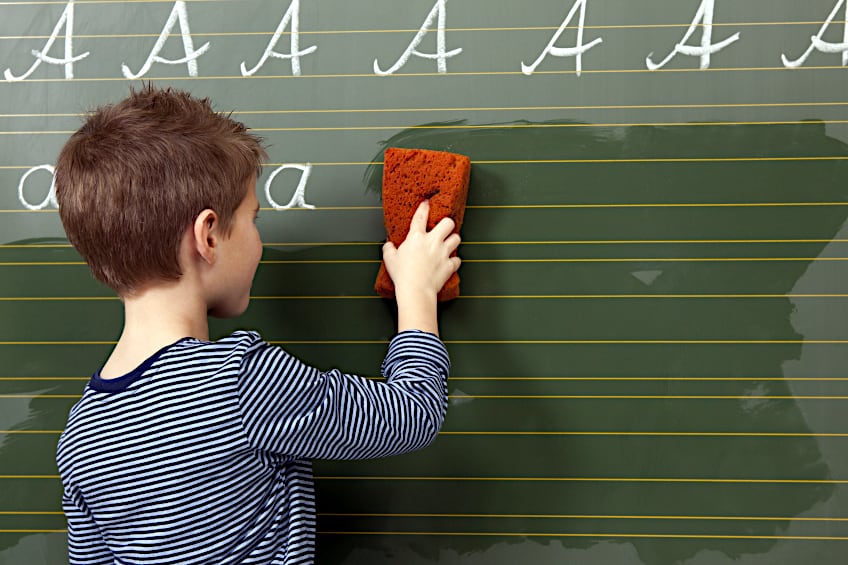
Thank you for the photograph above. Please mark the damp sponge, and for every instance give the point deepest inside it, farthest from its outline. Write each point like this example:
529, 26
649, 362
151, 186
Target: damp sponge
411, 176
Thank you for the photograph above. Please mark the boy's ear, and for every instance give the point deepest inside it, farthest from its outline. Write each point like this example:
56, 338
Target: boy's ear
206, 235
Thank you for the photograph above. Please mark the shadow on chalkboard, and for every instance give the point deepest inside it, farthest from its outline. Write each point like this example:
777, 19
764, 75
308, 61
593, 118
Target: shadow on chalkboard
571, 163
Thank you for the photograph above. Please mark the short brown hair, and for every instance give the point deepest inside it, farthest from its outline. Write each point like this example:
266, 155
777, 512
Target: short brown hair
136, 175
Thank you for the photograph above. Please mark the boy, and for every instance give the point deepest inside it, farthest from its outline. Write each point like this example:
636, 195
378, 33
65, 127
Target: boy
185, 450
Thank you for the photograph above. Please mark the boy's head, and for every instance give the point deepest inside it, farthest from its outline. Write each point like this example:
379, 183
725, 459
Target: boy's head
136, 175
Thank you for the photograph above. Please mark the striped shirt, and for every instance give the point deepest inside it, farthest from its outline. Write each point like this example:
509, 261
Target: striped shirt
202, 454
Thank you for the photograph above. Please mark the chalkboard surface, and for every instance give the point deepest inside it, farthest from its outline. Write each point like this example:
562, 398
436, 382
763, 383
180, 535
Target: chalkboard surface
650, 349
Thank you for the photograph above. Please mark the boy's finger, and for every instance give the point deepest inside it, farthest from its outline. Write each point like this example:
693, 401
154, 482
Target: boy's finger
443, 228
452, 242
419, 219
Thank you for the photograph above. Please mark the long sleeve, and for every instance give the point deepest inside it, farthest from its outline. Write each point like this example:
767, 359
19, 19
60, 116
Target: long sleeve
292, 409
85, 543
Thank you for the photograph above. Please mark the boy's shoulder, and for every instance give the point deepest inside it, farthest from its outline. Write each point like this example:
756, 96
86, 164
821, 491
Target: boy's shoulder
239, 337
239, 343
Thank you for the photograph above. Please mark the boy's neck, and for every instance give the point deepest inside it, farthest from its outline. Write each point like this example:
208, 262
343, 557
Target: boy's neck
155, 318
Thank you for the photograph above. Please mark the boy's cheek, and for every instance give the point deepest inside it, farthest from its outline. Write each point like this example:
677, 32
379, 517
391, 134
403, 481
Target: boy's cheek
258, 255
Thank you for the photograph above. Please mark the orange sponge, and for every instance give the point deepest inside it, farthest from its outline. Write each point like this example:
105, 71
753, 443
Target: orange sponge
411, 176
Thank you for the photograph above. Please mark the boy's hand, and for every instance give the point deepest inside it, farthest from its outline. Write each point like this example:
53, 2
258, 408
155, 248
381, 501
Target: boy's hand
420, 267
423, 261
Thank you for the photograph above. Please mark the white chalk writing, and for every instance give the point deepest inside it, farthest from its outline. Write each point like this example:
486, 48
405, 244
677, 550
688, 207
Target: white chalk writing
178, 13
298, 199
67, 20
576, 51
824, 46
704, 19
292, 15
441, 56
50, 199
435, 21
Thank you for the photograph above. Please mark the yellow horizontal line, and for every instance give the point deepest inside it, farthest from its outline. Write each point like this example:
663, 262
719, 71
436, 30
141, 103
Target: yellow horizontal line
575, 342
31, 513
632, 341
656, 205
634, 260
588, 535
44, 378
649, 160
650, 241
583, 517
30, 432
638, 434
321, 297
114, 298
36, 246
581, 479
812, 379
555, 296
54, 298
484, 109
577, 397
317, 261
33, 531
629, 296
40, 396
46, 114
487, 126
58, 342
40, 132
39, 263
398, 76
23, 211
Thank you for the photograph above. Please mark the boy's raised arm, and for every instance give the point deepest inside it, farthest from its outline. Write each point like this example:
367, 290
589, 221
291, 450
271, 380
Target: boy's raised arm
290, 408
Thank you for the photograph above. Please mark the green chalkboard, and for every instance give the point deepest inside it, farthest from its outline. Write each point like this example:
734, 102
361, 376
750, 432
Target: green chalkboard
650, 346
